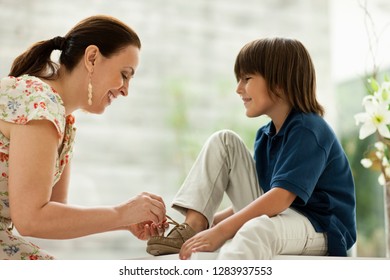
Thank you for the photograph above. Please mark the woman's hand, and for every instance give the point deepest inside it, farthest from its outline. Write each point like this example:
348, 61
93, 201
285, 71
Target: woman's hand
205, 241
147, 229
145, 207
144, 215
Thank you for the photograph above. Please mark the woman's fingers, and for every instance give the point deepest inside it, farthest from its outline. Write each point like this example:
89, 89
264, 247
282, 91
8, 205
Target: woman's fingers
156, 207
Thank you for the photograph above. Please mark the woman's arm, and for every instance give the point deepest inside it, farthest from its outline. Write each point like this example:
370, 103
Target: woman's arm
33, 151
59, 192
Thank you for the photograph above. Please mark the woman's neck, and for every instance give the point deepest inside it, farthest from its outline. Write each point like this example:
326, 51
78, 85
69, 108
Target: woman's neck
68, 85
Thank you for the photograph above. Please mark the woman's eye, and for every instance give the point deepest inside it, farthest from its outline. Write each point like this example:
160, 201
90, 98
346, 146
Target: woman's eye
124, 76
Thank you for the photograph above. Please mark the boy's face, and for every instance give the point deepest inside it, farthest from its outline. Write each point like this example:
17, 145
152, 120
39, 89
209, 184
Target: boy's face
252, 89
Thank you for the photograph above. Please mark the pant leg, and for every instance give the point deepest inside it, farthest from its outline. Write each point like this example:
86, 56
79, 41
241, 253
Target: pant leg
223, 165
289, 233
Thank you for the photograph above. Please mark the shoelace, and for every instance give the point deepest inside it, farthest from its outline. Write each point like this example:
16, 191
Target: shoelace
176, 224
172, 221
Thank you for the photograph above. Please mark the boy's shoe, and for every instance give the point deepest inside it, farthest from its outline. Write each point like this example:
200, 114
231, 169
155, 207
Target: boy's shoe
170, 244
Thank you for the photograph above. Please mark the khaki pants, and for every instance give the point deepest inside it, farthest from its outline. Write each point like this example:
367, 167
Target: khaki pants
225, 165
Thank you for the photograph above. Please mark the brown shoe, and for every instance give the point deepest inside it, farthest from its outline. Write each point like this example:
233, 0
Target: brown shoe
171, 244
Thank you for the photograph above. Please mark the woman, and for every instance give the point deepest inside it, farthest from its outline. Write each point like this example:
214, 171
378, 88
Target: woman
98, 58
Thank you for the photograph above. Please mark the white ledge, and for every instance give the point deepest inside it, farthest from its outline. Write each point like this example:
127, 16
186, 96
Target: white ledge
212, 256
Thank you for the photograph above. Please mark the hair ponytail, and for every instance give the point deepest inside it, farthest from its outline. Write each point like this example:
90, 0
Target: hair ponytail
107, 33
36, 61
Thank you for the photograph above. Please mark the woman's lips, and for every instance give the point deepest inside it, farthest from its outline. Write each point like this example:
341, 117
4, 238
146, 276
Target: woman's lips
111, 97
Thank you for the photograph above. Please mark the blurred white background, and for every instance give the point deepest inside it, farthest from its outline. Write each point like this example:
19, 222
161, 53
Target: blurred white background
184, 88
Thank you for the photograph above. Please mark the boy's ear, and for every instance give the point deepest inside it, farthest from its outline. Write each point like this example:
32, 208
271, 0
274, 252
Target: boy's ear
279, 92
90, 55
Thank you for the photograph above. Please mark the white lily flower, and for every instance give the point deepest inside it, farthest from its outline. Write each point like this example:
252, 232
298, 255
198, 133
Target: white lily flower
376, 117
381, 179
379, 154
385, 163
383, 93
380, 146
366, 162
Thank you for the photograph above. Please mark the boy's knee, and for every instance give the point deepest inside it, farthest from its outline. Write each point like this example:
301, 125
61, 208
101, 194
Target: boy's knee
260, 229
252, 241
261, 222
226, 136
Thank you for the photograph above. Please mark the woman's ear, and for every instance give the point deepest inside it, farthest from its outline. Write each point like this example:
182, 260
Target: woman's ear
90, 55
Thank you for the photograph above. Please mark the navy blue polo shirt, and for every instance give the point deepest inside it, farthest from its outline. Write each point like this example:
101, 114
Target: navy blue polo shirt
306, 158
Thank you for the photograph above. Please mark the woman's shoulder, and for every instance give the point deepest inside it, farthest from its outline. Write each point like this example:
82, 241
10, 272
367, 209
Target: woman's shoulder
27, 87
28, 98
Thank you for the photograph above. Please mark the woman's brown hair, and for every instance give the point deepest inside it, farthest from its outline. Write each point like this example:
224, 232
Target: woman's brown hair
286, 66
107, 33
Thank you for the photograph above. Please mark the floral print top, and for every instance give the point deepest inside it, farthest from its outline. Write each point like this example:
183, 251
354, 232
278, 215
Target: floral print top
24, 99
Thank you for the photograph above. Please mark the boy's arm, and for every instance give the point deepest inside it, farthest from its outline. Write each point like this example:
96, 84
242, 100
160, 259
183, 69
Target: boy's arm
271, 203
222, 215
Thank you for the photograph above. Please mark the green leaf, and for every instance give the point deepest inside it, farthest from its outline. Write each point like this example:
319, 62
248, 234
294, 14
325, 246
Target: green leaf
374, 84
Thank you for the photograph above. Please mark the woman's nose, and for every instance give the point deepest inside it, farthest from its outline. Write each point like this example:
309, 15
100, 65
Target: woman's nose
124, 90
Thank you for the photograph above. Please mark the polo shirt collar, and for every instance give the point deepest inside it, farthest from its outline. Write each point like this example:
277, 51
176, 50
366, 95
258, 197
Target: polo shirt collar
270, 129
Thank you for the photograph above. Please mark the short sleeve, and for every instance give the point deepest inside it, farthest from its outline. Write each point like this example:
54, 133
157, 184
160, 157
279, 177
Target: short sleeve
27, 98
300, 164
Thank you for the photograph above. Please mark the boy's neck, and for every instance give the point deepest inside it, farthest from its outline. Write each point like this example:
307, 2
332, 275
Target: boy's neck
280, 116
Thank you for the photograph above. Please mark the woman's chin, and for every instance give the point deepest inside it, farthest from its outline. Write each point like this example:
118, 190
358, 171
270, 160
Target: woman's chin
94, 110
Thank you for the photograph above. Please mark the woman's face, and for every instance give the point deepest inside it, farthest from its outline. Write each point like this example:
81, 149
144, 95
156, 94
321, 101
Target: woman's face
111, 77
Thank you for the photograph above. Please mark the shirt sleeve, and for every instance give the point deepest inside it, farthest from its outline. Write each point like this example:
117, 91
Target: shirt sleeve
26, 98
300, 164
